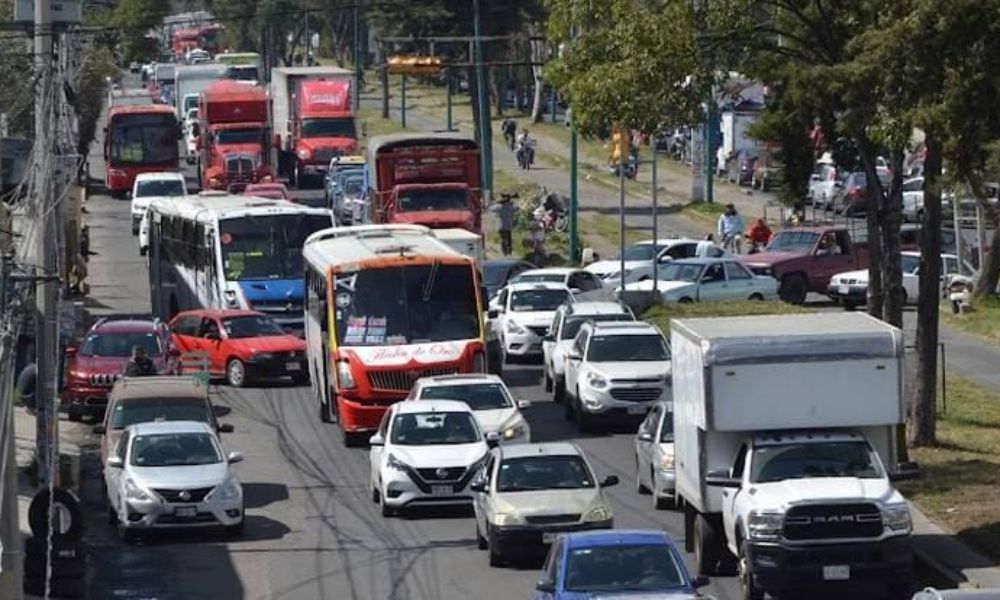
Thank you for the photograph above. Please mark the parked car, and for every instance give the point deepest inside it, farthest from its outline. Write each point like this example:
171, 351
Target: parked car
577, 280
272, 190
851, 288
565, 325
522, 313
640, 258
913, 199
93, 367
615, 369
852, 197
528, 494
147, 399
487, 396
616, 564
709, 279
150, 186
654, 455
823, 185
172, 475
425, 453
498, 272
242, 345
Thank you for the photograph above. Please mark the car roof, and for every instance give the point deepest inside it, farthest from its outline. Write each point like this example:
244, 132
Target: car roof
537, 285
159, 387
596, 307
545, 449
159, 427
159, 175
615, 537
459, 379
423, 406
550, 271
704, 261
220, 313
622, 327
126, 325
666, 241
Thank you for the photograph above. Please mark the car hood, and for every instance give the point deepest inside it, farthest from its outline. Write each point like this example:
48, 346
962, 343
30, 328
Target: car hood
271, 343
443, 455
495, 420
676, 595
548, 502
195, 476
144, 201
632, 369
106, 364
605, 267
861, 275
766, 259
662, 286
783, 494
531, 318
437, 219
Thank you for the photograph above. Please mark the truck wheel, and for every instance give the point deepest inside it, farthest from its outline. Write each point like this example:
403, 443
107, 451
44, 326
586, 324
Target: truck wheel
706, 546
793, 288
748, 588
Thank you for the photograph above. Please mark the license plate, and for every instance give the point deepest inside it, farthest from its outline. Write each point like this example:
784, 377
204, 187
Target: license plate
293, 366
837, 572
442, 490
844, 289
187, 512
549, 536
637, 410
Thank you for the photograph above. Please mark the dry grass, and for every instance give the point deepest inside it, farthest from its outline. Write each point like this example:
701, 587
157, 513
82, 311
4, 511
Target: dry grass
661, 315
983, 321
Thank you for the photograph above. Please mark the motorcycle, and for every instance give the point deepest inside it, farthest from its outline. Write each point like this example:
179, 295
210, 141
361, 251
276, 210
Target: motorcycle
551, 214
526, 155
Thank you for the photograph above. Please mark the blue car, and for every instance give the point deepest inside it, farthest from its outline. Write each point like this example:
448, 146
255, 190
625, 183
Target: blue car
616, 564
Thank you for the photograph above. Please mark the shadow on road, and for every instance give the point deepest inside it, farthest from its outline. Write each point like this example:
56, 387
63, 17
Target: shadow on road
259, 495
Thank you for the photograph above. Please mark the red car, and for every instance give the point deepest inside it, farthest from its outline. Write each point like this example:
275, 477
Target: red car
242, 345
274, 191
94, 366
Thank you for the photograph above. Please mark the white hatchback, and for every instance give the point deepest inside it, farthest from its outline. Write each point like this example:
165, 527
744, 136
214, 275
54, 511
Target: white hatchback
487, 396
522, 313
149, 186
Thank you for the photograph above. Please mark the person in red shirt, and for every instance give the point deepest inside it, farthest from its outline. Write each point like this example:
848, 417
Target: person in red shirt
759, 235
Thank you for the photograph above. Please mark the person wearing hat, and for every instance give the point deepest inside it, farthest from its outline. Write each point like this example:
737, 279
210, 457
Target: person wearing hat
507, 214
730, 228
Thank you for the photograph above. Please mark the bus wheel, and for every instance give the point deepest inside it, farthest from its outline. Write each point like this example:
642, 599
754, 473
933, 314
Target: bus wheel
236, 373
324, 410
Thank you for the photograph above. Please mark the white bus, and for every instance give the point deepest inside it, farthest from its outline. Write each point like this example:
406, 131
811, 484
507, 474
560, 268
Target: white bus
222, 251
385, 305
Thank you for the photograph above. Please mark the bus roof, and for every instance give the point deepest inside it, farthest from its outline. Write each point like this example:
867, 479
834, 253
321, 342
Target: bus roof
340, 245
404, 140
205, 208
144, 109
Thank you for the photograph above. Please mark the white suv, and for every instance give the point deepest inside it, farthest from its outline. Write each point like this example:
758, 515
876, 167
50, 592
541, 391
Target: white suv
425, 453
640, 258
148, 186
565, 325
523, 312
616, 369
486, 395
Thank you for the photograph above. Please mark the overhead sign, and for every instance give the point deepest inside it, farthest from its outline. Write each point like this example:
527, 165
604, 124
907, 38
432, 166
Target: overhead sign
60, 11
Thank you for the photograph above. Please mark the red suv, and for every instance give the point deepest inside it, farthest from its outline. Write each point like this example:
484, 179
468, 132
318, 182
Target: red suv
94, 366
242, 345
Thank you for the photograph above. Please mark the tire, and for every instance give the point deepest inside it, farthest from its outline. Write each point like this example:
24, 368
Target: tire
756, 297
236, 373
61, 569
547, 381
793, 288
353, 439
748, 588
639, 485
60, 587
375, 495
497, 558
558, 391
62, 550
112, 515
584, 422
481, 542
706, 546
387, 511
38, 514
568, 409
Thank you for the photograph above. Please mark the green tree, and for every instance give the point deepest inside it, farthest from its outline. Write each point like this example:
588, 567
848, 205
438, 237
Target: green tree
134, 20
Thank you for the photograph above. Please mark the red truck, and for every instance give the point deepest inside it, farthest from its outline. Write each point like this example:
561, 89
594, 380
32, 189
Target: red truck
233, 136
425, 179
803, 259
313, 116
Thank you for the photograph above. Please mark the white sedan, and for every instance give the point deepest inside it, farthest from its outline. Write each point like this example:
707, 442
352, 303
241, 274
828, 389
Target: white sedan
851, 288
654, 455
640, 258
709, 279
522, 313
487, 396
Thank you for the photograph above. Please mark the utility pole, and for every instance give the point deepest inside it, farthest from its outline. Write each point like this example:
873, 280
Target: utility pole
484, 108
11, 565
358, 62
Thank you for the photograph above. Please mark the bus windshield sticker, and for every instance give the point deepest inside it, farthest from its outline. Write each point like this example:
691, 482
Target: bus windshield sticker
376, 330
394, 340
356, 327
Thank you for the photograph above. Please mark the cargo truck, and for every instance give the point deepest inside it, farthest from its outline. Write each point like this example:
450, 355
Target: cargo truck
192, 80
425, 179
313, 118
234, 134
785, 452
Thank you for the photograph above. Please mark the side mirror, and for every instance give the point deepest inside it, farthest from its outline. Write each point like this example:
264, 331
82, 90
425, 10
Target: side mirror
226, 428
115, 462
610, 480
493, 439
645, 437
376, 440
546, 586
493, 313
522, 404
234, 457
548, 337
478, 486
721, 479
100, 429
573, 355
905, 471
700, 582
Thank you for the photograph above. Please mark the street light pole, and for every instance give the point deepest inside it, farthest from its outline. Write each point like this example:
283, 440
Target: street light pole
484, 108
358, 62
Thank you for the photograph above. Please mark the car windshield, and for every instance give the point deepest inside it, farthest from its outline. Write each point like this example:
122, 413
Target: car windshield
627, 348
120, 344
680, 272
623, 567
537, 300
409, 304
531, 473
251, 326
571, 326
910, 263
494, 273
165, 409
174, 450
243, 73
267, 247
332, 127
793, 241
432, 199
159, 187
539, 278
827, 459
239, 136
479, 396
642, 252
433, 428
353, 186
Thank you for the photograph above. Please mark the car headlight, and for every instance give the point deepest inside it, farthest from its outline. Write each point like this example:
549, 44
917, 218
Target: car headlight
599, 513
897, 517
478, 363
513, 327
517, 430
765, 526
230, 489
344, 375
134, 492
394, 463
596, 381
506, 519
304, 153
667, 462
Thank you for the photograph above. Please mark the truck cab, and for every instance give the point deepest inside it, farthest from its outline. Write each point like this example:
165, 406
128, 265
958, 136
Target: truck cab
323, 126
233, 136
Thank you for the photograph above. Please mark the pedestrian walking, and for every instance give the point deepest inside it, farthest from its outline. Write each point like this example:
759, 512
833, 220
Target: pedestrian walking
509, 128
730, 229
507, 215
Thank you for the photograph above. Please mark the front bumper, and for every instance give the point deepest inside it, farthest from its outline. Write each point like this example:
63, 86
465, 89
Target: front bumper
522, 344
603, 402
852, 293
504, 539
664, 483
277, 367
780, 567
405, 490
157, 513
86, 398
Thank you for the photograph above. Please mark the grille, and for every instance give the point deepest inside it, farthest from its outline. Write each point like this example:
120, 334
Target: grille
551, 519
325, 155
819, 522
278, 307
401, 380
104, 379
202, 517
240, 169
539, 331
197, 494
638, 394
849, 554
450, 474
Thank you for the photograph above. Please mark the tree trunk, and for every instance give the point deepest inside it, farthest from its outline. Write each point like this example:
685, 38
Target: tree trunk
537, 57
474, 103
383, 77
872, 214
892, 216
921, 416
990, 271
498, 84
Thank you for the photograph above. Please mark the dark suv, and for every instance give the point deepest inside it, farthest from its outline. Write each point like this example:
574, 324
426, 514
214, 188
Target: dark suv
93, 367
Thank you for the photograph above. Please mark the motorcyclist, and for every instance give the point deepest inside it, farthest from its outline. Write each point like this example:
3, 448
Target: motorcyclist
139, 365
525, 149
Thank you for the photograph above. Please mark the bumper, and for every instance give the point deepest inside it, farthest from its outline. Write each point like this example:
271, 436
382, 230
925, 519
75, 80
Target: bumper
596, 402
356, 417
505, 539
277, 367
779, 568
86, 399
853, 293
522, 344
665, 483
157, 514
399, 490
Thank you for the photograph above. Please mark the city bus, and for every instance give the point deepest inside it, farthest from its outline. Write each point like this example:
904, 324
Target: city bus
139, 139
222, 251
384, 306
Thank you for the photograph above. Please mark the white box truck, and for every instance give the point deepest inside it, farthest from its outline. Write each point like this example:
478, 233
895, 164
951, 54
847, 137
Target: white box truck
785, 450
464, 242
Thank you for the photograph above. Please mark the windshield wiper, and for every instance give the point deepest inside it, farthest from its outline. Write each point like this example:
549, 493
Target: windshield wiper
429, 284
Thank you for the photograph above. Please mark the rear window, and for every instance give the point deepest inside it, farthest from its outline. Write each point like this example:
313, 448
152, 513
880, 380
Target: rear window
129, 413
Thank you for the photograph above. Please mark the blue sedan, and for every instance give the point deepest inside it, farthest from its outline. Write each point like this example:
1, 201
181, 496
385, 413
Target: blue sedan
616, 563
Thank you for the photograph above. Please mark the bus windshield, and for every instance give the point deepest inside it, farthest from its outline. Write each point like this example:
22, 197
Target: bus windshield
414, 200
138, 139
267, 247
409, 304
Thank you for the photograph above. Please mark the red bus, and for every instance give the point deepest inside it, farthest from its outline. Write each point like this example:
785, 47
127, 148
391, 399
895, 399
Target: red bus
139, 139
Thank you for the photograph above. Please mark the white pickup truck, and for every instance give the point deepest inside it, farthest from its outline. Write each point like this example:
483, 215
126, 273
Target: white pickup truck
785, 452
